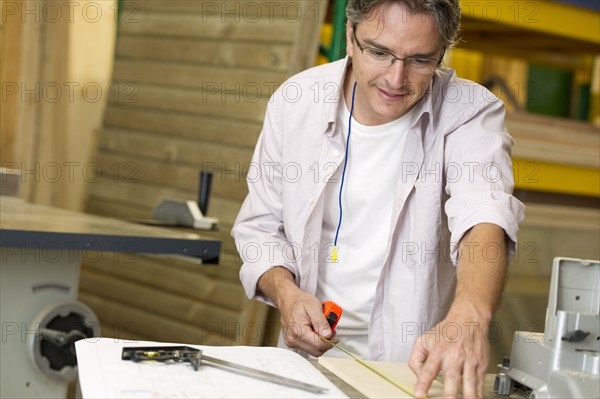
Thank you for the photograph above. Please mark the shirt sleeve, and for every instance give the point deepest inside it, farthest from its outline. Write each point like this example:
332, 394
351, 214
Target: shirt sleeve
259, 230
479, 178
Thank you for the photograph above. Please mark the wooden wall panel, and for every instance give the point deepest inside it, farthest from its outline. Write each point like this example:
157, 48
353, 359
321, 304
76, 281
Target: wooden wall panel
190, 87
228, 103
214, 129
156, 23
182, 177
172, 149
196, 76
268, 56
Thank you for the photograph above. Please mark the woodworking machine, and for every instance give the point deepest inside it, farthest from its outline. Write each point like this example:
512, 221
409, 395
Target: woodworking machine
564, 361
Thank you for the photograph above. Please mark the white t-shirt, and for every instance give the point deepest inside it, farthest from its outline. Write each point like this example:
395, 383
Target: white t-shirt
374, 163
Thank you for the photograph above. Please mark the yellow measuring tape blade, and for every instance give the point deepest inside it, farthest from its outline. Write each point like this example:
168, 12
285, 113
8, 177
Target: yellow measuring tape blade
380, 373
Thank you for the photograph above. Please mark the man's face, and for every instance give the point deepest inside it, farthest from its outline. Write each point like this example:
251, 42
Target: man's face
386, 94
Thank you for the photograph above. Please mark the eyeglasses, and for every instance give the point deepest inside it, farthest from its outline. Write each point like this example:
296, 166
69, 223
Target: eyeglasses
384, 59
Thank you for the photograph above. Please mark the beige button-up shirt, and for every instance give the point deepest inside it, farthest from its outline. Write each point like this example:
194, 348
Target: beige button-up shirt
456, 173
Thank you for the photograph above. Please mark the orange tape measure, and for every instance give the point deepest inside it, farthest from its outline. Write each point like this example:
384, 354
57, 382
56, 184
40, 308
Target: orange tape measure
332, 313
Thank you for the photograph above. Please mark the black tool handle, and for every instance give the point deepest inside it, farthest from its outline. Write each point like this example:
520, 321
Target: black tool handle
204, 190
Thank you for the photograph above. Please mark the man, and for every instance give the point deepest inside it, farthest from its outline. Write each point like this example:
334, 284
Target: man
384, 184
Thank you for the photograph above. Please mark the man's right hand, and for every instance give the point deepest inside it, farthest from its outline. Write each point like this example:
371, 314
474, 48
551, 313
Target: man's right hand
301, 313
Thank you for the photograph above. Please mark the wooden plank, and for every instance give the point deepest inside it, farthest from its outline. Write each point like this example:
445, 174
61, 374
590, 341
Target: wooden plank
190, 283
143, 194
116, 209
534, 149
91, 43
227, 270
29, 112
307, 37
142, 322
175, 149
554, 140
250, 11
251, 84
560, 130
53, 143
563, 217
207, 26
138, 194
11, 30
176, 305
227, 104
274, 57
218, 130
175, 175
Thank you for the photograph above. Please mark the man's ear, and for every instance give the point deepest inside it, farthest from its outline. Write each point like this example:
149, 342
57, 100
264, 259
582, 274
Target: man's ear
349, 42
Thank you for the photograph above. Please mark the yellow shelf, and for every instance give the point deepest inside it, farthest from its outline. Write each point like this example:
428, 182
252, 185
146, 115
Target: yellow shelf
548, 17
561, 179
546, 32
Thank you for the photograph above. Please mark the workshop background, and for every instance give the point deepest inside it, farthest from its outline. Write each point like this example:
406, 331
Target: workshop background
130, 100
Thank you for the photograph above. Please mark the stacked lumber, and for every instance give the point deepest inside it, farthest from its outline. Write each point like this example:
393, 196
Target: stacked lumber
554, 140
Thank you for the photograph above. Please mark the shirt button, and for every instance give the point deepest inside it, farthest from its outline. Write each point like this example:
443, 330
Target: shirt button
311, 200
336, 153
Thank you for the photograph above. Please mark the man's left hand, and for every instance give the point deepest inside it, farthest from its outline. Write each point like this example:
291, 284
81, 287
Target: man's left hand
458, 347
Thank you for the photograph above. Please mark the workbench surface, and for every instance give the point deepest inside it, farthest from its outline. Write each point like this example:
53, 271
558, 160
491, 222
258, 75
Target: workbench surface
26, 225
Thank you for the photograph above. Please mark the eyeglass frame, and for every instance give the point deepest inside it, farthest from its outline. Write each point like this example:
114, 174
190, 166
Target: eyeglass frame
395, 58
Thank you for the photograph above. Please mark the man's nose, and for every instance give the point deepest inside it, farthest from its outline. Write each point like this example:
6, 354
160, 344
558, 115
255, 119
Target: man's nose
397, 74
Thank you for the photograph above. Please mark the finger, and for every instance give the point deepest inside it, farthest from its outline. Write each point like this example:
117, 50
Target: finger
334, 337
318, 346
429, 370
315, 350
470, 380
452, 381
319, 323
417, 357
482, 365
481, 379
307, 341
292, 333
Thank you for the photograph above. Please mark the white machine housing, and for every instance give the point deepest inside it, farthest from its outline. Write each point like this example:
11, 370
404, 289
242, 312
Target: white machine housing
37, 286
564, 361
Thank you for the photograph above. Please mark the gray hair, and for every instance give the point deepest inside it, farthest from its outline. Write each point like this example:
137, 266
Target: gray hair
445, 13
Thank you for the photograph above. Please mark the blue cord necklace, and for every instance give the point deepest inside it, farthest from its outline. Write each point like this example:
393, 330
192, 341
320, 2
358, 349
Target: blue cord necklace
334, 254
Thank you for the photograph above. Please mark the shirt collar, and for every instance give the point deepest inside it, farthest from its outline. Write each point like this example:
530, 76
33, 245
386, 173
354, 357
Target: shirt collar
339, 77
